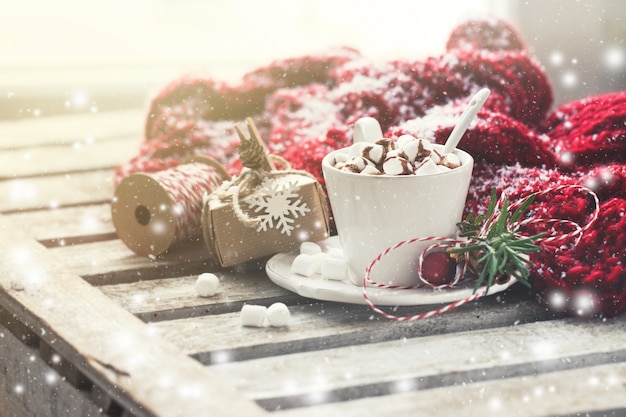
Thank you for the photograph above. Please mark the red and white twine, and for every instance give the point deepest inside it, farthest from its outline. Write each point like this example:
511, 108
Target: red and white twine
186, 186
445, 241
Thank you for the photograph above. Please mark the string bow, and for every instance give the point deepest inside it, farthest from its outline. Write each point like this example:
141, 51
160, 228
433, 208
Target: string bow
479, 240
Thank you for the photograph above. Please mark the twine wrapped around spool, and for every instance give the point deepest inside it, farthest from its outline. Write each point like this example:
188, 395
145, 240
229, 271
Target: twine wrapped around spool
153, 212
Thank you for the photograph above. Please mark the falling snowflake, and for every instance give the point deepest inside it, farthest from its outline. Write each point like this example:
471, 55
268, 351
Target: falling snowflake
279, 204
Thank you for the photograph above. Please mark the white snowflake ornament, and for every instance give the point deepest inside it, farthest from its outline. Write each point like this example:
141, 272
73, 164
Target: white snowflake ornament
278, 203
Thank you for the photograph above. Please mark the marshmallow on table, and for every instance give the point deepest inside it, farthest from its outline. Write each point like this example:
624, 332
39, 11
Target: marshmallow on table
207, 284
253, 315
278, 315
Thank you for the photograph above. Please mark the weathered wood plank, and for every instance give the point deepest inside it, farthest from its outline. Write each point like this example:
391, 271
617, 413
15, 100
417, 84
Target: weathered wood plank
466, 357
68, 129
29, 387
571, 392
319, 326
88, 155
173, 298
24, 194
66, 225
111, 347
111, 262
19, 329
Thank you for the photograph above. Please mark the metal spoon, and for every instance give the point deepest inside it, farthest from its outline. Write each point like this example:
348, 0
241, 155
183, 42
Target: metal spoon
466, 118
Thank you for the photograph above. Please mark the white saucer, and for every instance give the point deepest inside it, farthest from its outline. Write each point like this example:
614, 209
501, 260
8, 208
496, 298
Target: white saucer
278, 269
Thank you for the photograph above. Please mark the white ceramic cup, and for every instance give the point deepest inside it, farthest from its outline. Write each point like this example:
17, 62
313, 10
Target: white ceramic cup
375, 212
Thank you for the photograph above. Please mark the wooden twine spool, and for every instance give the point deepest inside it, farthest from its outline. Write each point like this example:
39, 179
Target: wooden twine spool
153, 212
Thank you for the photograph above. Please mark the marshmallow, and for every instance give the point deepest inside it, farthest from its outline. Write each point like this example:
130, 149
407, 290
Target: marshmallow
304, 264
411, 149
349, 167
207, 285
404, 139
367, 129
399, 153
425, 148
253, 315
397, 166
359, 162
405, 155
335, 252
334, 269
436, 156
371, 170
451, 160
340, 158
278, 315
375, 153
310, 248
427, 167
387, 144
318, 261
356, 149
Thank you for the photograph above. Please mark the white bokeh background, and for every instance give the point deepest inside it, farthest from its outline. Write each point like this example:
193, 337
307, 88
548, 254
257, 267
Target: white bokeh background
223, 37
111, 54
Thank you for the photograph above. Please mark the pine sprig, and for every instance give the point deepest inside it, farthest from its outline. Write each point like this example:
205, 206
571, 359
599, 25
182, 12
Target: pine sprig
494, 245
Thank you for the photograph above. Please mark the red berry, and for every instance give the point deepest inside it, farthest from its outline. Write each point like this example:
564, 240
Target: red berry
438, 268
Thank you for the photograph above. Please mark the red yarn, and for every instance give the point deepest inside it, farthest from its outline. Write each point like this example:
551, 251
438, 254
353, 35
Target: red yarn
492, 34
190, 98
310, 152
594, 267
590, 131
421, 85
527, 90
494, 137
607, 181
306, 107
514, 181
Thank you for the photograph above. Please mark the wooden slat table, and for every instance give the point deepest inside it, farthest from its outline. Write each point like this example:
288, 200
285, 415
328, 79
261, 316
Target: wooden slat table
88, 328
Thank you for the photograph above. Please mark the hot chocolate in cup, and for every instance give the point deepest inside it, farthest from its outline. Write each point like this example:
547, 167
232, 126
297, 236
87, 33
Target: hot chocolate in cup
375, 212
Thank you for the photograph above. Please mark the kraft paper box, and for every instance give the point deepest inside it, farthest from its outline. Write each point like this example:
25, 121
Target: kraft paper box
281, 212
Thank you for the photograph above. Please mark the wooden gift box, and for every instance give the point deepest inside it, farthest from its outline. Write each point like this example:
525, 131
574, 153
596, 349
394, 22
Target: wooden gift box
232, 242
